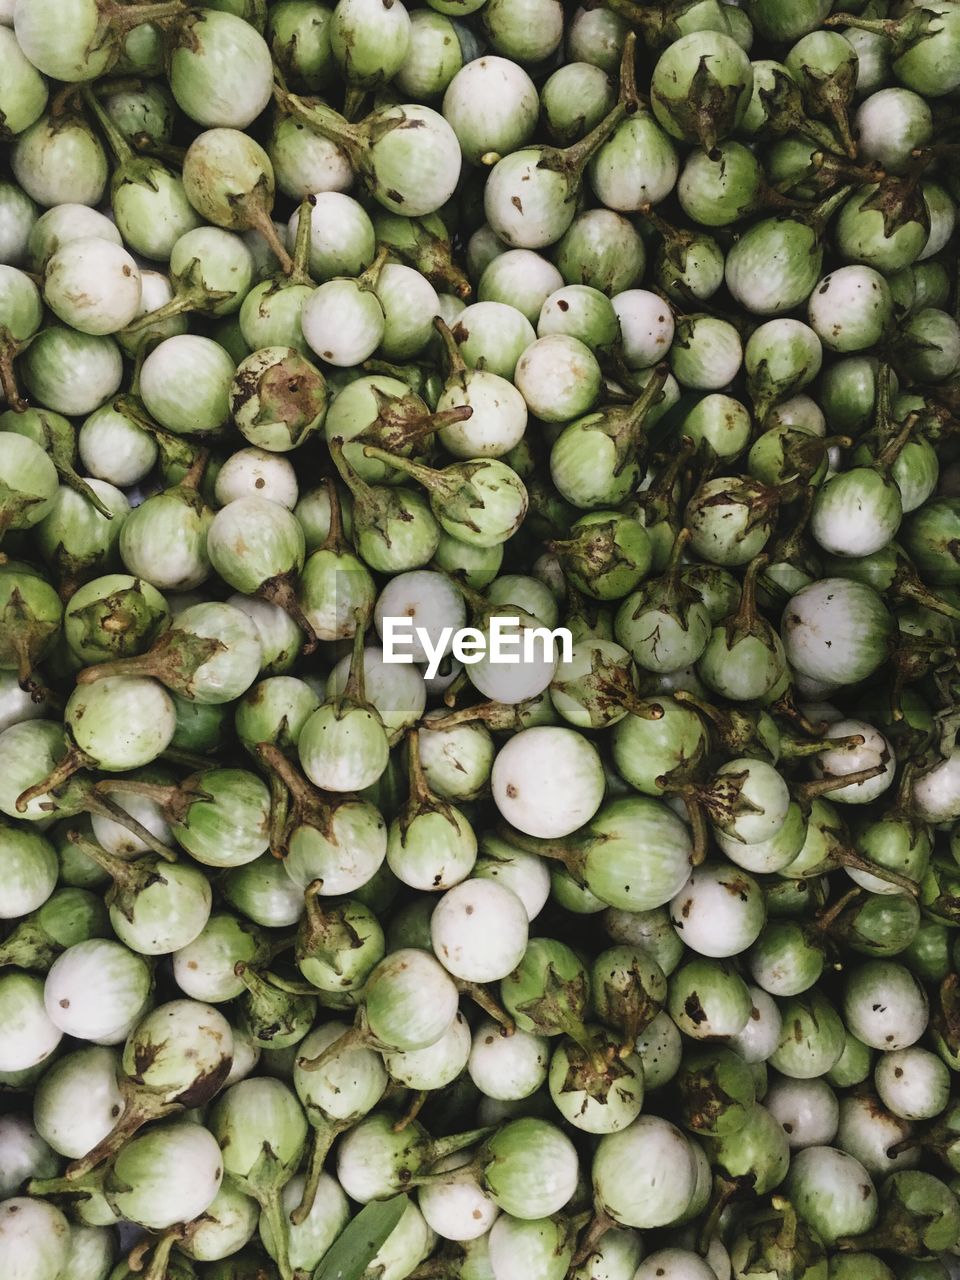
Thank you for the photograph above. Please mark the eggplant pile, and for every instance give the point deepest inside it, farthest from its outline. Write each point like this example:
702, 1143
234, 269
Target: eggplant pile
479, 640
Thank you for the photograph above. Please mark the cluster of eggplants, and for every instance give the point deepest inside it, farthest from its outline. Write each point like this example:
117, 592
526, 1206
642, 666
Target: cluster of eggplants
637, 321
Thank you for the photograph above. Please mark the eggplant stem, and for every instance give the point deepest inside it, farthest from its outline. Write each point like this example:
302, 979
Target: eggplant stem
124, 17
324, 1136
279, 814
281, 592
140, 1108
797, 749
414, 1107
9, 350
191, 760
723, 1193
157, 1268
806, 792
356, 1038
846, 857
485, 1001
97, 803
826, 918
600, 1224
72, 763
698, 826
261, 221
280, 1230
